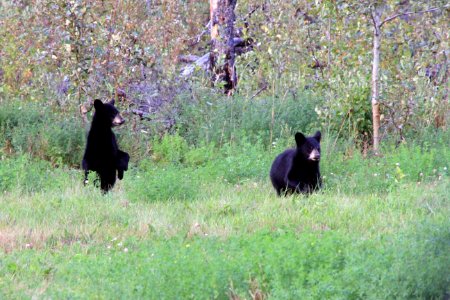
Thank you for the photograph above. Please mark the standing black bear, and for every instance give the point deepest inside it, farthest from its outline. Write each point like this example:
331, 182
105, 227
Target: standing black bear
297, 170
102, 154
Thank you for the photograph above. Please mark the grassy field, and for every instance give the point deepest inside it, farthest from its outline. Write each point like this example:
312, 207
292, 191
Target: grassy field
378, 230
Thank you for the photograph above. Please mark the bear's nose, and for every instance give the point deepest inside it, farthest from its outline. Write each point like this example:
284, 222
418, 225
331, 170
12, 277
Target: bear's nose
315, 155
118, 120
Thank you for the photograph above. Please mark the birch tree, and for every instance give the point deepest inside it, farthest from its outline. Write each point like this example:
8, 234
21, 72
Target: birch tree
377, 23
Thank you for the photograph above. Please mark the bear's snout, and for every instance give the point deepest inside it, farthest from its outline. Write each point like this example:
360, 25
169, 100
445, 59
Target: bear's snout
118, 120
314, 155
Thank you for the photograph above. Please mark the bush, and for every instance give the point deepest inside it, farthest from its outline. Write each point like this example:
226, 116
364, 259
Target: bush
24, 174
170, 149
349, 117
43, 134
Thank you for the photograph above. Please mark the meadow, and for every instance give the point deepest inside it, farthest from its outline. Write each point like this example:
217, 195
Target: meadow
203, 222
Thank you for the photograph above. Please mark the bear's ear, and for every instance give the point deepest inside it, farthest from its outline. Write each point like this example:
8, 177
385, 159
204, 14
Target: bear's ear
299, 139
317, 136
98, 104
112, 101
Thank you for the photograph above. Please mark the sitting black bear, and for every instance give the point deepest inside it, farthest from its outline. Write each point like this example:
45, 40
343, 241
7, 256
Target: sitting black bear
297, 170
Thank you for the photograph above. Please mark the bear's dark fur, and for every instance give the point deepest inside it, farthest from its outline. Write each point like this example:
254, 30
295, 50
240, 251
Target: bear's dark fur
102, 155
297, 170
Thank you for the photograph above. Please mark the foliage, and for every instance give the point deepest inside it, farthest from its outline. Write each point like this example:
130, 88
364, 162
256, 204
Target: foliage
75, 50
29, 129
353, 112
28, 176
171, 149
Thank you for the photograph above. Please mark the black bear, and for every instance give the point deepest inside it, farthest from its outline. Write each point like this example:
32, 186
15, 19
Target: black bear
102, 154
297, 170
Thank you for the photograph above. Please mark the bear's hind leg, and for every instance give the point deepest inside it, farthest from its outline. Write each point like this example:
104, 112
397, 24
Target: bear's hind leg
107, 180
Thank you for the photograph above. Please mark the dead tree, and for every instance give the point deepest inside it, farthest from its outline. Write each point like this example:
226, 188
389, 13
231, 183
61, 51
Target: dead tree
222, 54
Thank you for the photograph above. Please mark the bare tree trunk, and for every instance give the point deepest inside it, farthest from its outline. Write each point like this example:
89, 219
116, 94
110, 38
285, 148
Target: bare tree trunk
222, 43
376, 16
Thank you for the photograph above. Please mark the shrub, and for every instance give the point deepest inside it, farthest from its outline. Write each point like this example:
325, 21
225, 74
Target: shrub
43, 134
349, 117
171, 148
24, 174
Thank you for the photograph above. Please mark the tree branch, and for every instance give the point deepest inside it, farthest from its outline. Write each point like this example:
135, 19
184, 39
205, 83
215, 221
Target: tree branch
388, 19
375, 25
375, 15
198, 38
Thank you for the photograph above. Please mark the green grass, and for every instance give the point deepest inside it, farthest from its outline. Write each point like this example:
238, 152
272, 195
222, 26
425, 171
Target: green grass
214, 228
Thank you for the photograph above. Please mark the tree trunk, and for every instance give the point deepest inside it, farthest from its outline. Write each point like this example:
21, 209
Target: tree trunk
375, 80
222, 55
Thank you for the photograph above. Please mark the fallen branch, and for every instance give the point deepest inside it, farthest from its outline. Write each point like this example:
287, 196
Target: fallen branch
140, 113
202, 63
259, 91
